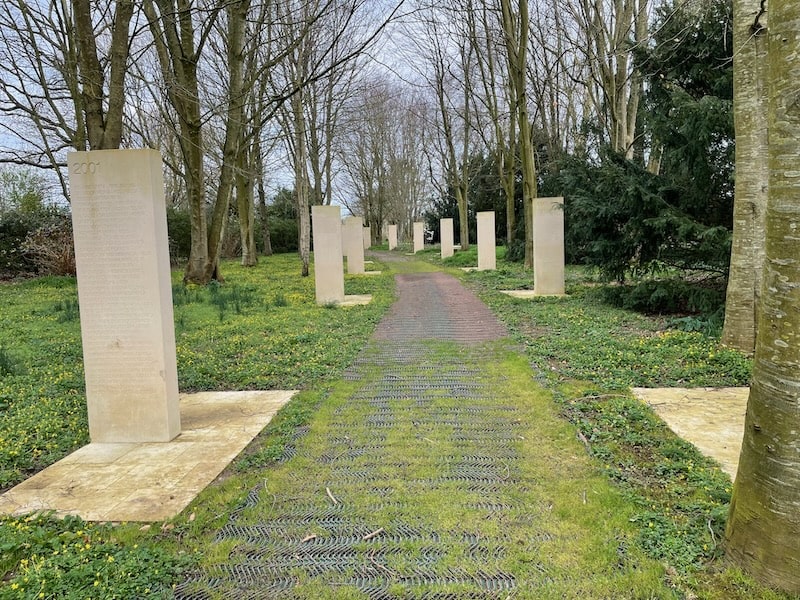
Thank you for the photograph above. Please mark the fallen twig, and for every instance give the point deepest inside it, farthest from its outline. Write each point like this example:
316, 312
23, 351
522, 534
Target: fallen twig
391, 573
713, 536
331, 496
308, 538
369, 536
586, 443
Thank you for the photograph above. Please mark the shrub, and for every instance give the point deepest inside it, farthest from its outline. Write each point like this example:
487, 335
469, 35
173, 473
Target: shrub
14, 228
668, 296
179, 229
51, 247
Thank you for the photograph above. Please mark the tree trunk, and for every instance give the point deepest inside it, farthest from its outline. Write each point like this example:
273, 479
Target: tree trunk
237, 17
264, 214
764, 522
244, 201
301, 185
752, 172
103, 114
174, 39
515, 28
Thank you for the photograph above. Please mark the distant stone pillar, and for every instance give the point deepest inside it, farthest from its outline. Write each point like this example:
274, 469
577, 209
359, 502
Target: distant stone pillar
326, 222
125, 293
487, 254
392, 237
367, 233
446, 236
419, 236
548, 246
353, 244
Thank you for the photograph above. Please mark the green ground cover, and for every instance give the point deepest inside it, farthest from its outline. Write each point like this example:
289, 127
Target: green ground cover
584, 353
261, 329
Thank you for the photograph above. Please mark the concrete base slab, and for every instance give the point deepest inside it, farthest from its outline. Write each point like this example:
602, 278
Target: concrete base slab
356, 300
368, 273
150, 481
528, 294
710, 418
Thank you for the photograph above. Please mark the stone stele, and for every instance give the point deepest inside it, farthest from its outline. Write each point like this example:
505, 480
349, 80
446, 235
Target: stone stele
367, 232
392, 237
125, 295
353, 242
548, 246
487, 255
326, 222
446, 234
419, 236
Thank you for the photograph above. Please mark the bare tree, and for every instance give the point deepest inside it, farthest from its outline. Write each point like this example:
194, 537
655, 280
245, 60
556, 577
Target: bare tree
59, 91
607, 32
516, 24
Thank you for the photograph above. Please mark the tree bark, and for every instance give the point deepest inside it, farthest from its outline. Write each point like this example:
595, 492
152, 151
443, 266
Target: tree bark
244, 204
174, 38
103, 110
515, 27
237, 17
750, 106
764, 522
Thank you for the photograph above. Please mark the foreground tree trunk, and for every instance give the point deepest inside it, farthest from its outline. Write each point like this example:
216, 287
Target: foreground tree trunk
752, 172
764, 523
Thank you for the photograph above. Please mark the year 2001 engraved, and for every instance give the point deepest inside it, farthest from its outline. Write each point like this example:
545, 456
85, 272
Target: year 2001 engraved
85, 168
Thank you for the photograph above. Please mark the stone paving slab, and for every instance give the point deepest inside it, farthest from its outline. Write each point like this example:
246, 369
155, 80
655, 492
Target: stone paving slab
150, 481
710, 418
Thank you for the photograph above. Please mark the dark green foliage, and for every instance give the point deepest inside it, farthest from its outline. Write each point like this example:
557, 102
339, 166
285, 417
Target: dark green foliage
7, 363
14, 228
282, 222
623, 219
689, 106
626, 219
669, 296
283, 234
179, 229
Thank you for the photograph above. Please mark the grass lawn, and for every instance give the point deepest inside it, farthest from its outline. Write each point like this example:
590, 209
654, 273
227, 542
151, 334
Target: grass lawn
262, 330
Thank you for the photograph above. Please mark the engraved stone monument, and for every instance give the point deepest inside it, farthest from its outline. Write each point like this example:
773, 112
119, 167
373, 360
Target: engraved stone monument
419, 236
446, 234
487, 255
548, 246
353, 244
392, 237
125, 295
326, 222
367, 237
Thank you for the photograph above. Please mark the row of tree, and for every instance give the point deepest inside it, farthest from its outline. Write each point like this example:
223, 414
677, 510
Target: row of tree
623, 106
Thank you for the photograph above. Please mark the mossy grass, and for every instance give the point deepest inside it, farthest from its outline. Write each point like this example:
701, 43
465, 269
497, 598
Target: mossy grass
568, 530
587, 533
588, 354
259, 329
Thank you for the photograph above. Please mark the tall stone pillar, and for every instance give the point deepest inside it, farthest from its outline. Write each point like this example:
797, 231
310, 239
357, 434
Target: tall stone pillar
392, 237
353, 244
326, 222
125, 295
548, 246
487, 254
419, 236
446, 235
